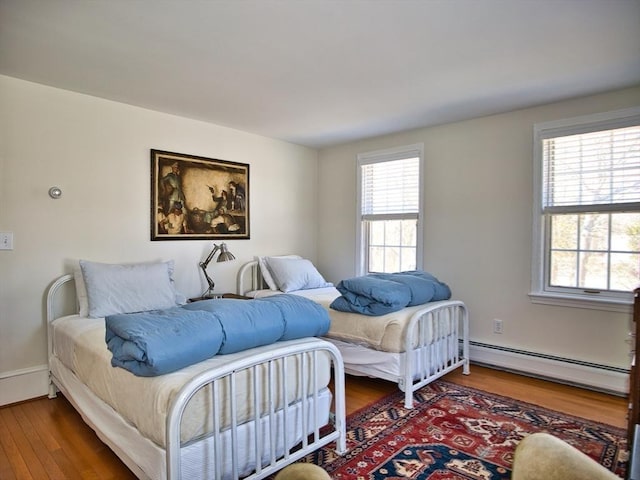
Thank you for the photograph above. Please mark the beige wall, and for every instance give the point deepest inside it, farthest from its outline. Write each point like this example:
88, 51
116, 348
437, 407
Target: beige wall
98, 153
478, 217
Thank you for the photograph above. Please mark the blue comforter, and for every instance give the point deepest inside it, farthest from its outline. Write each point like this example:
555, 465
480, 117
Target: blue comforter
162, 341
382, 293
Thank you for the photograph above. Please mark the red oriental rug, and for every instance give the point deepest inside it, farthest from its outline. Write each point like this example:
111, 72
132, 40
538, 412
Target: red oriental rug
456, 432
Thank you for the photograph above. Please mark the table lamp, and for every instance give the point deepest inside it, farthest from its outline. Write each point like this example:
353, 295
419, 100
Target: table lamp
225, 255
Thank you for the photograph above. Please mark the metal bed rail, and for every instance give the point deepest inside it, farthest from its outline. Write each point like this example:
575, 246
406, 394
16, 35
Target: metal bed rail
432, 345
277, 440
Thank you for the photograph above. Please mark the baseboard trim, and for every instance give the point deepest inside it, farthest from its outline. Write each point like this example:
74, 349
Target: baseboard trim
23, 384
604, 378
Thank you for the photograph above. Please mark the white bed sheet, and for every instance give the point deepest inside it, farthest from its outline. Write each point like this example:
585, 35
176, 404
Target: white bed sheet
79, 344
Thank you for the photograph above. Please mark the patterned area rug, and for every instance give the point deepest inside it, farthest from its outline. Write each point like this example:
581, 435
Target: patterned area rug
456, 432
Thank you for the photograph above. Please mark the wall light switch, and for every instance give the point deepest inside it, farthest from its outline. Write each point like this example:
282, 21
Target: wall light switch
6, 240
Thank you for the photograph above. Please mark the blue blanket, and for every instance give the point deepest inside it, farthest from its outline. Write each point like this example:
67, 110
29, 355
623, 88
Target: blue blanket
162, 341
382, 293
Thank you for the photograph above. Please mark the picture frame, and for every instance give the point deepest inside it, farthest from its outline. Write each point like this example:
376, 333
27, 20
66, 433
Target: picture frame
198, 198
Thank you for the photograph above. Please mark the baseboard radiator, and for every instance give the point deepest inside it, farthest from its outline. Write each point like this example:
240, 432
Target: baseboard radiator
33, 382
604, 378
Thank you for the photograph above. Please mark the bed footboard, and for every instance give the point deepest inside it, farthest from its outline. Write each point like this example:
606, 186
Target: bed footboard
280, 434
436, 342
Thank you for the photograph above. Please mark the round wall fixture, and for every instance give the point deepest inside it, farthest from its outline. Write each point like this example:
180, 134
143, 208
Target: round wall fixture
55, 192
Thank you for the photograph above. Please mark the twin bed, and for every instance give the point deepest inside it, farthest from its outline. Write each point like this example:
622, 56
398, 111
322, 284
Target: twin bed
411, 347
249, 412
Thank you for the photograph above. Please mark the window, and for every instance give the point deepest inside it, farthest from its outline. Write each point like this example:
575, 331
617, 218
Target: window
390, 210
587, 210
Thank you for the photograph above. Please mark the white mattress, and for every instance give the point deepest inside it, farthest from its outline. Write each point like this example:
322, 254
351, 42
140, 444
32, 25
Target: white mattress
384, 333
79, 344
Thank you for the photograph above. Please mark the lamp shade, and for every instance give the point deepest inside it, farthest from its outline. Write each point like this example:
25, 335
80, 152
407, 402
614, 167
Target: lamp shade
225, 254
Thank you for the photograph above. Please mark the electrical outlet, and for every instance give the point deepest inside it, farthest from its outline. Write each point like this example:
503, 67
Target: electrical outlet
497, 326
6, 240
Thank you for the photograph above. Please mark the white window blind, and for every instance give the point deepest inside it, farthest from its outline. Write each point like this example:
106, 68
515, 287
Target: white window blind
390, 188
586, 223
592, 172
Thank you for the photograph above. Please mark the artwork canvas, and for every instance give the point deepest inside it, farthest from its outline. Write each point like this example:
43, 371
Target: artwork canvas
198, 198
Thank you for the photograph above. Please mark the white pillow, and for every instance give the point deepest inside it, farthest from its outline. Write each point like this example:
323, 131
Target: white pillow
266, 274
127, 288
81, 292
295, 274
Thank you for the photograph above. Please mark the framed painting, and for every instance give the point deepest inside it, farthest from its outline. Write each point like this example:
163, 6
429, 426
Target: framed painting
198, 198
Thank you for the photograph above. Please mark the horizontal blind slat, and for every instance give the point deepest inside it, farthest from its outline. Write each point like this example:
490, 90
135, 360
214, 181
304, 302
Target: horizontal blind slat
390, 187
597, 168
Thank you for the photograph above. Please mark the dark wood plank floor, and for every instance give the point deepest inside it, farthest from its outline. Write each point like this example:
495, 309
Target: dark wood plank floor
47, 439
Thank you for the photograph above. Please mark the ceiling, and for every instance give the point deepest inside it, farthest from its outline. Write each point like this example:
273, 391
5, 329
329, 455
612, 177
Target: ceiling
324, 72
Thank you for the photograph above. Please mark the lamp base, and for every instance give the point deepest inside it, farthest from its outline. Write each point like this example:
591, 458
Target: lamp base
212, 296
209, 294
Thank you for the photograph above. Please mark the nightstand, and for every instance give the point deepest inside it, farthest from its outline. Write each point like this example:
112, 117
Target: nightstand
220, 295
236, 296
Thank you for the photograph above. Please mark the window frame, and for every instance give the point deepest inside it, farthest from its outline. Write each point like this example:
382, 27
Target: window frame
379, 156
541, 292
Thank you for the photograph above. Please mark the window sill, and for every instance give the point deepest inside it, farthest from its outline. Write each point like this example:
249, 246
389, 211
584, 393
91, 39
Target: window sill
578, 301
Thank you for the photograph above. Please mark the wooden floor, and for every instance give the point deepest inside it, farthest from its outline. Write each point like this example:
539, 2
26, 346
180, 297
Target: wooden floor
47, 439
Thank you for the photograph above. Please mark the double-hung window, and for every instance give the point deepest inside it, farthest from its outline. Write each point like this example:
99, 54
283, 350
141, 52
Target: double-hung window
587, 210
389, 228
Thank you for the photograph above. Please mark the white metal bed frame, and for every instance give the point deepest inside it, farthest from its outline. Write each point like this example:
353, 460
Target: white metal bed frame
282, 446
436, 340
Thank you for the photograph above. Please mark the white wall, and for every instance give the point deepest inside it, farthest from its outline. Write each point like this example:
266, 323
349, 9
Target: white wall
98, 152
477, 228
478, 220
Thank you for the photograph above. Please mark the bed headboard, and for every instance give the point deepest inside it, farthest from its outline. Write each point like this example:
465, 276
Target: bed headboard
61, 298
250, 278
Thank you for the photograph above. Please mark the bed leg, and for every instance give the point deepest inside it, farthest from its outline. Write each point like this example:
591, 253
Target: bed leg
53, 390
340, 413
341, 445
408, 398
465, 368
